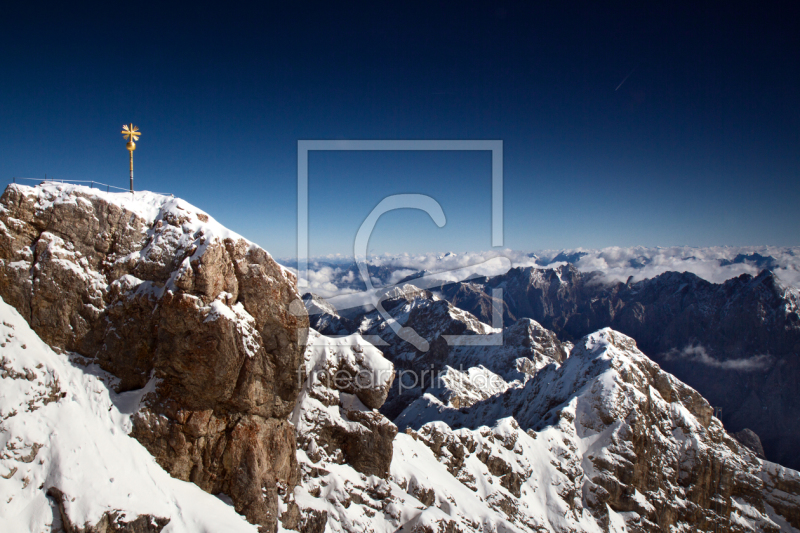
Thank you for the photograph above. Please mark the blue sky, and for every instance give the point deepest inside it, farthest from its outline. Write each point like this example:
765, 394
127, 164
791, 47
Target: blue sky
700, 146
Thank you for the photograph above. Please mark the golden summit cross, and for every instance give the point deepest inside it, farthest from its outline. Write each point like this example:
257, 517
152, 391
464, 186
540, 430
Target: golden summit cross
131, 133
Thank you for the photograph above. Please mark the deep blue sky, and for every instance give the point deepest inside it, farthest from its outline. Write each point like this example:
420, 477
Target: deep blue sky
700, 145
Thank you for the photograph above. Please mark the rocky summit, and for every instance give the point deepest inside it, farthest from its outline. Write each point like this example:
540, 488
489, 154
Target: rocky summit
159, 373
160, 296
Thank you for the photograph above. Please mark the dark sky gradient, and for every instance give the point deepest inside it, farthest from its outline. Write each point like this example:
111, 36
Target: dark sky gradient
700, 146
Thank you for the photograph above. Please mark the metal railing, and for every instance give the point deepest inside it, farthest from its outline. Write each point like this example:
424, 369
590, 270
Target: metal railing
91, 183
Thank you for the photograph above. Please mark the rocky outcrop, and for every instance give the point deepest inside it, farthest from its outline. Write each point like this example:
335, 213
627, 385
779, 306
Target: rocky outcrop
67, 463
111, 521
153, 289
429, 317
324, 318
473, 298
526, 348
748, 438
345, 381
782, 492
447, 368
202, 335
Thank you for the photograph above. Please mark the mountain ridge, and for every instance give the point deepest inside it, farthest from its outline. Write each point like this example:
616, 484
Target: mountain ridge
701, 331
226, 388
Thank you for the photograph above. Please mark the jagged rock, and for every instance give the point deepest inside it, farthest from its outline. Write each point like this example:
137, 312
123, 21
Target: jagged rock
461, 389
606, 440
623, 436
476, 300
324, 318
432, 319
594, 437
370, 451
67, 462
313, 521
346, 380
152, 287
748, 438
526, 348
782, 492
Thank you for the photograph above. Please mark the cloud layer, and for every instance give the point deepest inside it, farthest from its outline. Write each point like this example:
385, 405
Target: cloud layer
698, 354
334, 276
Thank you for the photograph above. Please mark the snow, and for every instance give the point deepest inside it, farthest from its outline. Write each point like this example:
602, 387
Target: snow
352, 351
197, 227
329, 360
63, 427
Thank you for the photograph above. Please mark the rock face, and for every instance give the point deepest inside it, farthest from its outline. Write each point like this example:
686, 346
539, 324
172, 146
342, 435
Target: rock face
473, 297
782, 493
433, 320
525, 347
751, 440
738, 342
214, 371
67, 463
345, 381
602, 440
153, 289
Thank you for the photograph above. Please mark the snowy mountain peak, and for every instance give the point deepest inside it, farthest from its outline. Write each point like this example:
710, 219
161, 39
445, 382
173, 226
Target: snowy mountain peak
596, 426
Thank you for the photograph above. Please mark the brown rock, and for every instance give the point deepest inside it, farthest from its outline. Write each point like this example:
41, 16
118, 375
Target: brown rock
206, 314
369, 452
748, 437
782, 491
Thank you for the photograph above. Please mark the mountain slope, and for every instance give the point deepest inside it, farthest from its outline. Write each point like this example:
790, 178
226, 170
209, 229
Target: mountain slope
174, 331
603, 441
67, 461
632, 443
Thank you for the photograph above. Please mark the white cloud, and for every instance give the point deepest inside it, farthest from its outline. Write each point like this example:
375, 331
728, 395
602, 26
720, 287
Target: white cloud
397, 275
324, 281
616, 263
698, 354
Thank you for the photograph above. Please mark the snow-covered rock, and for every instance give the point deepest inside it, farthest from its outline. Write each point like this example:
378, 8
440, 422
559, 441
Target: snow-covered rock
526, 349
174, 331
428, 315
624, 442
356, 476
324, 318
736, 341
67, 461
148, 286
345, 381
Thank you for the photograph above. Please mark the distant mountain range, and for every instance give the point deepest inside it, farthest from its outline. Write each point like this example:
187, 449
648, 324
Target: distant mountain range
736, 342
336, 276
